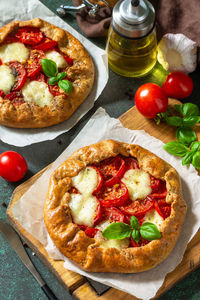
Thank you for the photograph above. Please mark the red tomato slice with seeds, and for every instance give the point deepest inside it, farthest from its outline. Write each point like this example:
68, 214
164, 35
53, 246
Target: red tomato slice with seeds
154, 183
114, 214
2, 93
163, 208
33, 65
38, 77
91, 232
98, 216
30, 35
46, 45
159, 192
117, 195
142, 242
139, 207
56, 91
69, 60
15, 97
112, 169
100, 181
131, 163
19, 72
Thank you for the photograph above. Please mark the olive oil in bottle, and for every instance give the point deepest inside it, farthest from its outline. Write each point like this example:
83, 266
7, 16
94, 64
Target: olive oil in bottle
131, 44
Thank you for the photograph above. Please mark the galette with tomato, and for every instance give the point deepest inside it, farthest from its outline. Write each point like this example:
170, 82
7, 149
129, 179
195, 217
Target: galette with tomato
45, 74
114, 207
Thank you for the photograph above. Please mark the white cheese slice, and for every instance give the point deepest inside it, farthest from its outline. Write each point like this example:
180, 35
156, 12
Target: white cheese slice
138, 183
57, 58
153, 216
119, 244
7, 79
14, 52
37, 92
83, 209
86, 181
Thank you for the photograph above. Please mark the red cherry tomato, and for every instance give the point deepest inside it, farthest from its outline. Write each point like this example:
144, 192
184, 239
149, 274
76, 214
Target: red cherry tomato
112, 169
131, 163
33, 65
150, 99
46, 45
139, 207
38, 77
112, 213
100, 181
91, 232
178, 85
13, 166
30, 35
163, 208
160, 191
20, 73
16, 98
117, 195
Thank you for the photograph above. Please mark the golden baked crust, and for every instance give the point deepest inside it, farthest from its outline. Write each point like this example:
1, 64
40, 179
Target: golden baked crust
85, 251
30, 115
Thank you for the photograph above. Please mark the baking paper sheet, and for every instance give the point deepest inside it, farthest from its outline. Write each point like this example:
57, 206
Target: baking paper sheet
29, 209
29, 9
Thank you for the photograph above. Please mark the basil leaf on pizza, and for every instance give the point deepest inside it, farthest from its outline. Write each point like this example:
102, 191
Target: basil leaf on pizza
52, 80
65, 85
49, 67
136, 235
61, 75
117, 231
134, 222
149, 231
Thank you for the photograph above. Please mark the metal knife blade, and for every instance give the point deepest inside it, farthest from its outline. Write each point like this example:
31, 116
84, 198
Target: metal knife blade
12, 237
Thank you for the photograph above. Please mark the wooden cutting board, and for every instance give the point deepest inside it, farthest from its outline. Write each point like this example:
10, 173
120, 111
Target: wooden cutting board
77, 284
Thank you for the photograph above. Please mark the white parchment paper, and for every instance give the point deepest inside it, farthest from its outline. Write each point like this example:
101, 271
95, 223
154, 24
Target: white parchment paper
29, 209
29, 9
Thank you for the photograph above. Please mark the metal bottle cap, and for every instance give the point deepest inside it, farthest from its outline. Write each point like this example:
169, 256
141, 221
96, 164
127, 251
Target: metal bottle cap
133, 18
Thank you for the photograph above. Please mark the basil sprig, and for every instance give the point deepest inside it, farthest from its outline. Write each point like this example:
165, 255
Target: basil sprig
119, 230
187, 145
50, 69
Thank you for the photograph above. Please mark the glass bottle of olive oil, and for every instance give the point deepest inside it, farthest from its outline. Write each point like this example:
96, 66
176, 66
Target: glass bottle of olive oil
131, 43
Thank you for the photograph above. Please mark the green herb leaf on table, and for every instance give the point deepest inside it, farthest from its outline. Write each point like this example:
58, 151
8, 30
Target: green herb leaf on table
187, 159
190, 121
176, 148
195, 146
117, 231
134, 222
174, 121
186, 135
52, 80
149, 231
66, 86
49, 67
136, 235
190, 109
196, 160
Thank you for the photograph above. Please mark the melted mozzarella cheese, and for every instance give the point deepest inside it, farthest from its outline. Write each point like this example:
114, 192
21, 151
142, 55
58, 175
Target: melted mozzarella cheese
57, 58
7, 79
14, 52
83, 206
101, 226
105, 243
138, 183
153, 216
86, 181
37, 92
83, 209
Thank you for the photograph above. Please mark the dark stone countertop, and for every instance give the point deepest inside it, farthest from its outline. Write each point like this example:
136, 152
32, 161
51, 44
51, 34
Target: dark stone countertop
16, 282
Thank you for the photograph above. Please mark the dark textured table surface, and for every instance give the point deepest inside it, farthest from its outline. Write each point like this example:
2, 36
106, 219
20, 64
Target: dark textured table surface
16, 283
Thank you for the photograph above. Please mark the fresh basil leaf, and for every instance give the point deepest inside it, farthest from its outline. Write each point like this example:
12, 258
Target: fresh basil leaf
187, 159
49, 67
195, 146
176, 148
61, 75
196, 160
190, 109
174, 121
186, 135
136, 235
66, 86
134, 222
52, 80
179, 108
117, 231
149, 231
190, 121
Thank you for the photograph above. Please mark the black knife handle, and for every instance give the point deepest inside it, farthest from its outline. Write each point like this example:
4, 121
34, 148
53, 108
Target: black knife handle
50, 295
